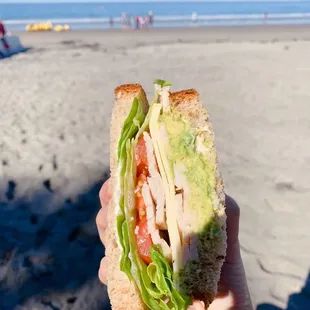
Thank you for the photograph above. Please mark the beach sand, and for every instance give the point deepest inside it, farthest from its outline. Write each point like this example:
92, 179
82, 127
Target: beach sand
56, 102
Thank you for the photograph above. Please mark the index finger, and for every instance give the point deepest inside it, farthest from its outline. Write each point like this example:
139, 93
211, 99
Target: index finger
101, 219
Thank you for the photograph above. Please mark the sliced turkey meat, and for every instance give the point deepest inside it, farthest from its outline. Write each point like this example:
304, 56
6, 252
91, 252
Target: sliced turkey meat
151, 223
156, 184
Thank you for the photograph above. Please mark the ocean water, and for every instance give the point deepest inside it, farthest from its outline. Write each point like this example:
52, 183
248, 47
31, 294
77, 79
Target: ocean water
166, 14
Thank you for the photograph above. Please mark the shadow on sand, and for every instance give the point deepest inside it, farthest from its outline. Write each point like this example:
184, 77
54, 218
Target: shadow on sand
296, 301
50, 261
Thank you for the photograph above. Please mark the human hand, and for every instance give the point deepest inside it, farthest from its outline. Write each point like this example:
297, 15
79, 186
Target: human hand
233, 293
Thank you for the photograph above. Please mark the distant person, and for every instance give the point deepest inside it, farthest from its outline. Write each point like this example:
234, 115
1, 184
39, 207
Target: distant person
124, 20
133, 20
111, 22
194, 17
2, 35
129, 21
265, 17
143, 21
137, 21
151, 18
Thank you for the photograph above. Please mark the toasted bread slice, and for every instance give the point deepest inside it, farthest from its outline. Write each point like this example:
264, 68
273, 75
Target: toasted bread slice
203, 282
123, 293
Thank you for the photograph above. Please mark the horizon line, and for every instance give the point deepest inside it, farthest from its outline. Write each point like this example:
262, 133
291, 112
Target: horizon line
140, 1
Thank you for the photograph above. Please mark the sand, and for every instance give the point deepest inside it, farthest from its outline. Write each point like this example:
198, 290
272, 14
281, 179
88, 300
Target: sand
55, 103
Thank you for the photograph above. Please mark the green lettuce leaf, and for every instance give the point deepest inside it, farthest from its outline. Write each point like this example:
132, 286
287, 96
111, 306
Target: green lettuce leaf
161, 275
125, 261
130, 128
162, 83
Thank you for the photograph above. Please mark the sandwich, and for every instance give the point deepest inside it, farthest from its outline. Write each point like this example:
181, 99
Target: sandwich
166, 236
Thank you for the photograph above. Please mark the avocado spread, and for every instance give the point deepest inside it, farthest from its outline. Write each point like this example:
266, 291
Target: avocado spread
199, 170
201, 181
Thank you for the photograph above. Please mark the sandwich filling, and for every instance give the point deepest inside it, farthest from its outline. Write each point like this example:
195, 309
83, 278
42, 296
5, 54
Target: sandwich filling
165, 214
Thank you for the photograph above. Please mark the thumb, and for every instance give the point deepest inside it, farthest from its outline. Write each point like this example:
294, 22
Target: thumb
233, 292
232, 229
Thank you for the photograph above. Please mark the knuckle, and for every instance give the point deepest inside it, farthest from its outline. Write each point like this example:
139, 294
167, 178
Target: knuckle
100, 276
102, 271
101, 192
99, 218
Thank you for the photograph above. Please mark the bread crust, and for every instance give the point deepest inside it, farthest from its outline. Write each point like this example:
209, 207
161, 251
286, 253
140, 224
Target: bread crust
124, 294
128, 90
184, 95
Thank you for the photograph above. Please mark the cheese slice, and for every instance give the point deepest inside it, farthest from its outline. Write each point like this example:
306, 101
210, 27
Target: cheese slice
168, 179
151, 226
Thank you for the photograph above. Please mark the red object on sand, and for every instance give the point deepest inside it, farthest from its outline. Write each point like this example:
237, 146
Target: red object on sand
2, 29
2, 34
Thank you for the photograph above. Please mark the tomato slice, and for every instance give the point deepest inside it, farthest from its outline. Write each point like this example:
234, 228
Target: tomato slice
141, 179
143, 238
141, 156
144, 241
